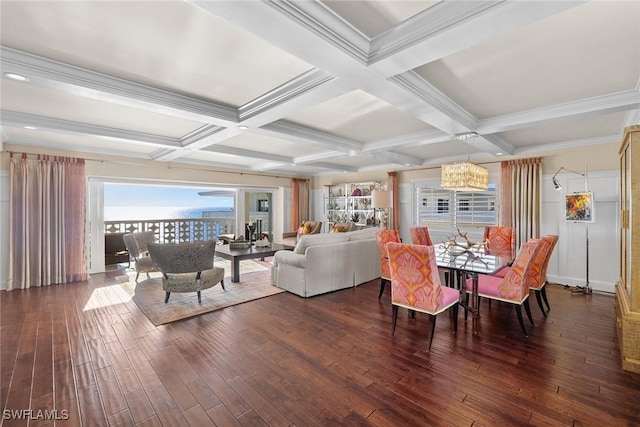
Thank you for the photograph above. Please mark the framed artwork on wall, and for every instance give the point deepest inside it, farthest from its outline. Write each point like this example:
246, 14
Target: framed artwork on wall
579, 207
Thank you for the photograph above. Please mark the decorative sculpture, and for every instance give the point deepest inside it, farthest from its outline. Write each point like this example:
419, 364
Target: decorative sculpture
472, 250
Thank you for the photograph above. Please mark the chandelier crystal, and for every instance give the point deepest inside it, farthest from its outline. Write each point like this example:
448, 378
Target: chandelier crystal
464, 176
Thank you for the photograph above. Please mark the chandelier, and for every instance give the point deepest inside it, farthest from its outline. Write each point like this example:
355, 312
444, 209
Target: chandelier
464, 175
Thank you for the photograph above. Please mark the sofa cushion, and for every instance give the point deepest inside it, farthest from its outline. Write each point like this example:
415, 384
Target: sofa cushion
364, 234
307, 240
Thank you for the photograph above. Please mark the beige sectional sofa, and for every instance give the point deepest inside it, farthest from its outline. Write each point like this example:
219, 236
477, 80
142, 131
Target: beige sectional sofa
327, 262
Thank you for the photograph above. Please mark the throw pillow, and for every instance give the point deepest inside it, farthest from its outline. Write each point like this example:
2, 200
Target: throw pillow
305, 229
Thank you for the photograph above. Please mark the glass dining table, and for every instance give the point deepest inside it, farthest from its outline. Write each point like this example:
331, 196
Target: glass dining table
471, 262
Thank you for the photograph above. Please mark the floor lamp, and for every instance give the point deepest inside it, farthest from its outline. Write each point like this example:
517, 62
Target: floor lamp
382, 200
584, 205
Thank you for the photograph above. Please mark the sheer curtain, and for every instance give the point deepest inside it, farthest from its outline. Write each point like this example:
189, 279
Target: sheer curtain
520, 197
299, 202
47, 221
394, 223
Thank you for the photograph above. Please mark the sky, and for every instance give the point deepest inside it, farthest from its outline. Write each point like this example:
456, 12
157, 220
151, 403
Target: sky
128, 202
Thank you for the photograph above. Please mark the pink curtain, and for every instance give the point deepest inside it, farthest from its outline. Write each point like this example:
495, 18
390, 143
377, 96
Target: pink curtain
521, 198
47, 200
299, 202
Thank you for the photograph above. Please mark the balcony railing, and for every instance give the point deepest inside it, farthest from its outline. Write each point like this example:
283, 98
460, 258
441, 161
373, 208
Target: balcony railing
176, 230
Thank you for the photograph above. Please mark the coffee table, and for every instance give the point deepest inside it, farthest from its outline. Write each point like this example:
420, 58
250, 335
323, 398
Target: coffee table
237, 255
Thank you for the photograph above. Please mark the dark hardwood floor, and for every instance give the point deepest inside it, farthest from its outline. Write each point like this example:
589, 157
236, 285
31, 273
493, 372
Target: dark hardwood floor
87, 352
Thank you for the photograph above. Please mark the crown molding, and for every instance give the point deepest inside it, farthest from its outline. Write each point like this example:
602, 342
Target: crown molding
410, 140
632, 118
322, 21
81, 149
200, 134
609, 103
297, 132
301, 84
208, 136
17, 119
48, 73
398, 158
425, 91
241, 152
568, 144
439, 18
493, 143
313, 158
450, 27
320, 165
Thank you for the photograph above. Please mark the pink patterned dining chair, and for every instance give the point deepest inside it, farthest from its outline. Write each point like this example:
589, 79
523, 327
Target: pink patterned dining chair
420, 236
539, 276
538, 272
415, 284
499, 239
514, 287
382, 237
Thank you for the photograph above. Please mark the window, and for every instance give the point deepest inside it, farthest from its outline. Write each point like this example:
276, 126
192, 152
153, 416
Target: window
438, 206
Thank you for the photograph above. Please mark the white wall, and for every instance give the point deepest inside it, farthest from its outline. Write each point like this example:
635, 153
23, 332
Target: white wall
568, 264
4, 228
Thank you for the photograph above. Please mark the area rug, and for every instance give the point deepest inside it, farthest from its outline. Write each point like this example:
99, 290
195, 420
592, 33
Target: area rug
149, 296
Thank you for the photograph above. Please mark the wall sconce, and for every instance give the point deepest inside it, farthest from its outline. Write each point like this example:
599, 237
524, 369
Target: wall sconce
556, 184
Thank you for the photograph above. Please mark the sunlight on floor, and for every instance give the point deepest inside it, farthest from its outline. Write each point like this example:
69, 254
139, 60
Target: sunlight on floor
107, 296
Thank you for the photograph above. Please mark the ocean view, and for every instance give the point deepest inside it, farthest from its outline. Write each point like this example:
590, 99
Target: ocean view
131, 213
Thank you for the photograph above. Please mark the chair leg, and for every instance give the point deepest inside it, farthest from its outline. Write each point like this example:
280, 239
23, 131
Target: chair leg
382, 283
148, 277
519, 314
432, 318
412, 313
394, 317
544, 296
137, 275
466, 304
199, 298
166, 297
539, 298
455, 318
222, 283
527, 308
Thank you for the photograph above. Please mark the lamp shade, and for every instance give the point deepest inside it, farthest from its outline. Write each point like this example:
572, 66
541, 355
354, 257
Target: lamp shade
464, 176
381, 199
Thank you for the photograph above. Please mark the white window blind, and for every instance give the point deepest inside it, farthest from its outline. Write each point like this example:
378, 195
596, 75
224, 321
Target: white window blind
438, 206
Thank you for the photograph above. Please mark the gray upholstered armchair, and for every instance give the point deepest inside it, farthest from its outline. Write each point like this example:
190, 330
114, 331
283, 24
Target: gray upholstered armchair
187, 267
136, 244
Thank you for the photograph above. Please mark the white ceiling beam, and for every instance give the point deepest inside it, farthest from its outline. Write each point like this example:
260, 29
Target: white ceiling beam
300, 133
609, 103
17, 119
47, 73
452, 26
241, 152
585, 142
409, 140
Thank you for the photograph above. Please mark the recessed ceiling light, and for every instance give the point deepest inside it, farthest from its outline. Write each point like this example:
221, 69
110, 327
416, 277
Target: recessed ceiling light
243, 127
30, 127
14, 76
499, 154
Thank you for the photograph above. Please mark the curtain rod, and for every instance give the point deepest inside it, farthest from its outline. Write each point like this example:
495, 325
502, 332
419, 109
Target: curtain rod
169, 166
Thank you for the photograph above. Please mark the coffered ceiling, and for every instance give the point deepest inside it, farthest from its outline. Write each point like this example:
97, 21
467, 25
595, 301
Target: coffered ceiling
323, 86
